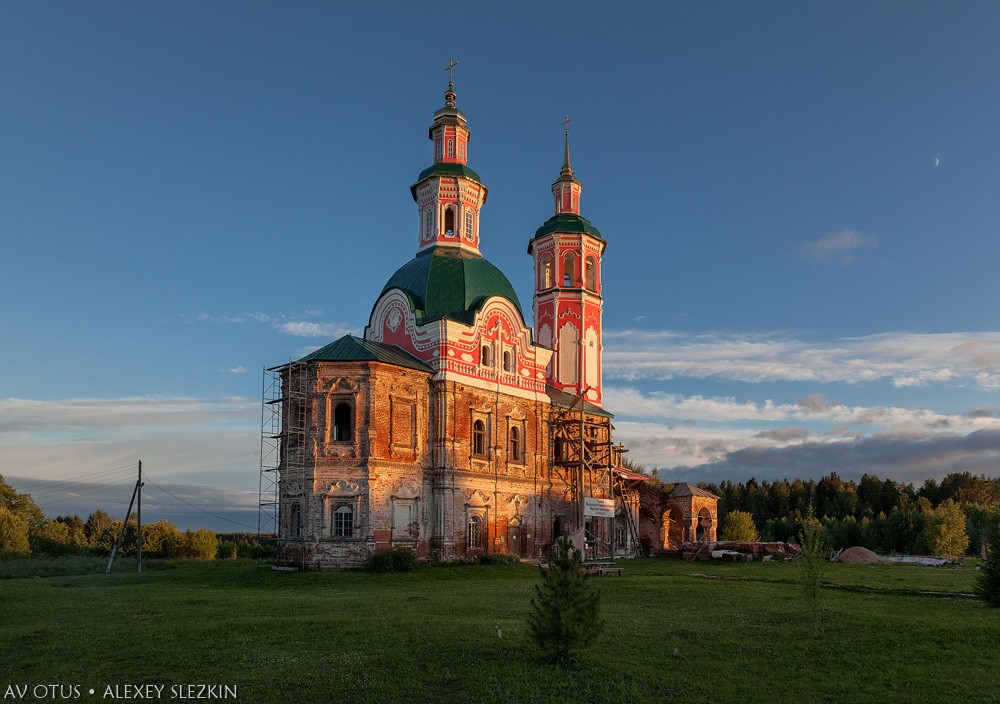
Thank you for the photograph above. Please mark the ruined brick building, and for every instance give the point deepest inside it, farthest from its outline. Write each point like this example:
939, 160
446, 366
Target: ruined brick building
452, 427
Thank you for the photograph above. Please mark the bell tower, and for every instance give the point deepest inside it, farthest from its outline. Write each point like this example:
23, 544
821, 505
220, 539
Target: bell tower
449, 195
567, 253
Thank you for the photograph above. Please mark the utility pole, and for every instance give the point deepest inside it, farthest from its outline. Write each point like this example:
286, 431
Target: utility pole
121, 536
138, 544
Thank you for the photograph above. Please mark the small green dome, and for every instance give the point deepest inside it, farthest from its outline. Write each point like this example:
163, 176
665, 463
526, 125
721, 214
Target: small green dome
446, 282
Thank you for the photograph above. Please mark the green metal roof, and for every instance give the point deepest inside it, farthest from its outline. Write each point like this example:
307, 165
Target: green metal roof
445, 169
354, 349
566, 222
446, 282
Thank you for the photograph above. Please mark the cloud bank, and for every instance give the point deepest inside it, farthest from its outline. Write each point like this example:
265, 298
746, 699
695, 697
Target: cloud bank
902, 359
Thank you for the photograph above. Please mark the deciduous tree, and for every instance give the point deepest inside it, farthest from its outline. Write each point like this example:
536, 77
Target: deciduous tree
740, 527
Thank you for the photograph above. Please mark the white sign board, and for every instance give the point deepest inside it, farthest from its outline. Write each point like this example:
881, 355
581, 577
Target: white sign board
601, 508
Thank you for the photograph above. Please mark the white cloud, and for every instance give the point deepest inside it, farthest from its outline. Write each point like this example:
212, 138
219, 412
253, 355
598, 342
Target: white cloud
902, 359
25, 417
840, 246
308, 329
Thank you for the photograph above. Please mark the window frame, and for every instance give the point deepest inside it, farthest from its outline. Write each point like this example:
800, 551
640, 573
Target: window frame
341, 527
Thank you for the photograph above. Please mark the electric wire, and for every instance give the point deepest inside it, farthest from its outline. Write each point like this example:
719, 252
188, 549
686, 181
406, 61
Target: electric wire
145, 478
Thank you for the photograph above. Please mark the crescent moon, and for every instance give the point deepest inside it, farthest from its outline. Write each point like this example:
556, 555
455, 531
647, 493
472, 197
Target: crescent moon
936, 162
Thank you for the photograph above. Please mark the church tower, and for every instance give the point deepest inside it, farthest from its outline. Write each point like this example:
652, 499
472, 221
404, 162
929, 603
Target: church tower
567, 253
448, 193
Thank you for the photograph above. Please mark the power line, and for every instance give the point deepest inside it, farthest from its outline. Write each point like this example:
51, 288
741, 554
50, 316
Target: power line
76, 478
197, 508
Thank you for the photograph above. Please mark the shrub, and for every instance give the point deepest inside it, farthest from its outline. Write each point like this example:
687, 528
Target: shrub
201, 544
228, 550
740, 528
394, 560
496, 559
565, 611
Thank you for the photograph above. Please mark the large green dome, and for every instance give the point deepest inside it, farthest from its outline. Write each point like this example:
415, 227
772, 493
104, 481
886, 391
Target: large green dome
446, 282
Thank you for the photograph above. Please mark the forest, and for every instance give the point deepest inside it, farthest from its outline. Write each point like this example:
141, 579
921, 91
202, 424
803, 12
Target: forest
879, 514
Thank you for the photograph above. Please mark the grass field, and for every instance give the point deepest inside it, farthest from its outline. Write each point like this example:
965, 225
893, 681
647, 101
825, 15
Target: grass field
676, 632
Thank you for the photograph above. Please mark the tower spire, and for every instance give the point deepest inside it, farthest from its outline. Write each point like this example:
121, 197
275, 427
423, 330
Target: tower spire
566, 189
567, 170
449, 95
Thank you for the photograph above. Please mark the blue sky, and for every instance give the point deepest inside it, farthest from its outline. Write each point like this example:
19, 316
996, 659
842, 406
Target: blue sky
801, 203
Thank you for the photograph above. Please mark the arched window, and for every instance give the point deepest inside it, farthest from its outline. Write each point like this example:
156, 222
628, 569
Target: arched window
508, 360
569, 269
343, 522
449, 221
470, 220
546, 271
342, 430
590, 274
487, 356
428, 223
475, 532
451, 148
437, 149
514, 445
479, 438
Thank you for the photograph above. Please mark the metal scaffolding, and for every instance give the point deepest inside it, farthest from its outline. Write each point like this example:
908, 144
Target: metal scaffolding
582, 459
283, 457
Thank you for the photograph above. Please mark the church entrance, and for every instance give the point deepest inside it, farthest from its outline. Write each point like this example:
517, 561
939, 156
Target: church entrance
514, 541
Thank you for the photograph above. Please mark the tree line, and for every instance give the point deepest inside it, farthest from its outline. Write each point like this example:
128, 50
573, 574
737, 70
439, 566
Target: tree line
24, 530
950, 517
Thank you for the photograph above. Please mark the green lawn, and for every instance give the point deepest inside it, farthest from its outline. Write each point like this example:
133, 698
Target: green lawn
676, 632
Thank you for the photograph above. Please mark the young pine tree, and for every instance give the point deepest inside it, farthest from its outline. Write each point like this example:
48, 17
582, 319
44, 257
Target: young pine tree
565, 611
813, 561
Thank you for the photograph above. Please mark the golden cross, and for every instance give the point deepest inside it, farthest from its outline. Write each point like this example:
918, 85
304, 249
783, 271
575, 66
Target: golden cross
566, 123
450, 68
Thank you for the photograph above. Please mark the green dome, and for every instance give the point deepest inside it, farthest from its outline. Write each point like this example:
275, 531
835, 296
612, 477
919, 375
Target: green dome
446, 282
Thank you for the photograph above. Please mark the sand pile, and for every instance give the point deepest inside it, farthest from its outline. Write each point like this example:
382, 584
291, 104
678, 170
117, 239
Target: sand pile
862, 556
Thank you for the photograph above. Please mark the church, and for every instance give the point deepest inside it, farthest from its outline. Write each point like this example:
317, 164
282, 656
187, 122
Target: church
452, 427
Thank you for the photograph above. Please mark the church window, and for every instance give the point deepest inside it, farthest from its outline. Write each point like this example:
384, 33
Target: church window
590, 274
428, 223
437, 149
451, 148
343, 522
297, 416
487, 356
461, 151
449, 221
342, 430
569, 269
475, 532
479, 438
546, 271
295, 521
508, 360
514, 445
470, 220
